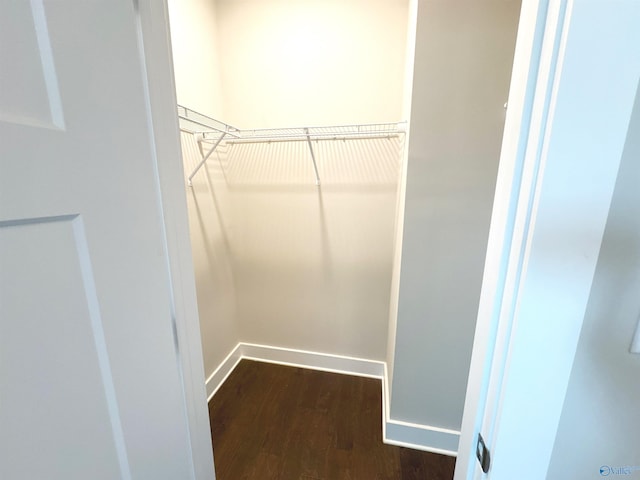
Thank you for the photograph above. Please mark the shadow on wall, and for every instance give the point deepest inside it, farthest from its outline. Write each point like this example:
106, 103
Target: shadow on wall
209, 225
205, 192
311, 264
341, 163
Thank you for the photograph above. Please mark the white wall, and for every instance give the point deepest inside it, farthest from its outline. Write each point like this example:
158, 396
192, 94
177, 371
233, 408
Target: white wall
600, 418
313, 264
312, 62
464, 53
194, 41
194, 44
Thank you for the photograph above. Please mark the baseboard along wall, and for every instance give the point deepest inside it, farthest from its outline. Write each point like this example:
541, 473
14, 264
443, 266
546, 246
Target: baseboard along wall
394, 432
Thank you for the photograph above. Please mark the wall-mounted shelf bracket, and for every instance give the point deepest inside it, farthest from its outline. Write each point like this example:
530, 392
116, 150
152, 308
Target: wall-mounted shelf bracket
313, 156
205, 157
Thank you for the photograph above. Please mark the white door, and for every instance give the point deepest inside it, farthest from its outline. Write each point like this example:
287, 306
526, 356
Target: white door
575, 78
90, 385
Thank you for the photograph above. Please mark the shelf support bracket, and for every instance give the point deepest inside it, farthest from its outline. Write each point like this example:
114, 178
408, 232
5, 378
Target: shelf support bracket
205, 157
313, 156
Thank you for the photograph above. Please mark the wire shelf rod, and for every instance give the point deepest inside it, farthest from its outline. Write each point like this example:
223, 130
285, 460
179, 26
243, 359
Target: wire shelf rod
303, 135
399, 127
314, 138
204, 159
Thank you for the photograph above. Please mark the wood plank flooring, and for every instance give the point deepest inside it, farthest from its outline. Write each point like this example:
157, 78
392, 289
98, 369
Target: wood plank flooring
276, 422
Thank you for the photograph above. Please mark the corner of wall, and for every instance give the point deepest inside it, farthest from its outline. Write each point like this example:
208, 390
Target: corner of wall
412, 435
193, 28
412, 23
220, 374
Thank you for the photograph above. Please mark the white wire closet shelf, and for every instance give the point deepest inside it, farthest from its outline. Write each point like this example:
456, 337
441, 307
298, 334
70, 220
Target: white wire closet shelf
210, 130
198, 123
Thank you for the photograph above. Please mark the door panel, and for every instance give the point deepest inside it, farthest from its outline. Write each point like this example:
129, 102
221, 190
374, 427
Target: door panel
23, 28
88, 346
39, 351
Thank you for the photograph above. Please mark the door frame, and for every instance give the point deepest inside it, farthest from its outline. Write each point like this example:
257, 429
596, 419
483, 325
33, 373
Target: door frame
504, 235
570, 103
154, 45
519, 207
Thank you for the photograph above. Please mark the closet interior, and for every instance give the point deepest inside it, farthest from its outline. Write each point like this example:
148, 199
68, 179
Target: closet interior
307, 181
294, 166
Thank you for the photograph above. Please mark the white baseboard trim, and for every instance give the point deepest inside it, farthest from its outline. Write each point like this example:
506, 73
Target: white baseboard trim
413, 435
220, 374
326, 362
394, 432
360, 367
422, 437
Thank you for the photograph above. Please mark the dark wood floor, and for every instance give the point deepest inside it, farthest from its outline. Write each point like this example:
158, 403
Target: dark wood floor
275, 422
